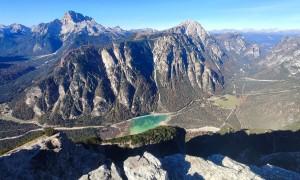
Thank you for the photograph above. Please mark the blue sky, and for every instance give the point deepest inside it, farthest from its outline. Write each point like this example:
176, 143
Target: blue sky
159, 14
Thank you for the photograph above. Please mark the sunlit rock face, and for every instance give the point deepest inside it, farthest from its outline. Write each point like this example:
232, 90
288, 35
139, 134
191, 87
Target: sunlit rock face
238, 47
284, 58
163, 72
58, 36
56, 157
180, 166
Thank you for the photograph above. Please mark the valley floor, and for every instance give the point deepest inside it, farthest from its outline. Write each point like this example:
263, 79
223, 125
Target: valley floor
259, 105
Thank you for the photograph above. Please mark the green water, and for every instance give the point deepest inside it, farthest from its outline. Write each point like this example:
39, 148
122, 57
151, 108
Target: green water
145, 123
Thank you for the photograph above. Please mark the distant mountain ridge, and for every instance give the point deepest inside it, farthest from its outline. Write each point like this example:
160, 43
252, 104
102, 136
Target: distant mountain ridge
266, 38
14, 29
30, 54
72, 31
274, 30
284, 58
238, 48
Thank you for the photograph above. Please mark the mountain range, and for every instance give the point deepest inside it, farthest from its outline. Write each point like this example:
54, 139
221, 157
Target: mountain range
285, 57
71, 31
228, 92
267, 38
142, 74
75, 70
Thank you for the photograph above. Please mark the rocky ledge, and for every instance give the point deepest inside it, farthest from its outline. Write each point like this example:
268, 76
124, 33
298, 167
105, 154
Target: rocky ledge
56, 157
180, 166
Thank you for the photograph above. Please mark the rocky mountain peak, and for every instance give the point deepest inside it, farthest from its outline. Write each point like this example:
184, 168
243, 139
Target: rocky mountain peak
14, 29
188, 27
53, 28
285, 56
77, 23
191, 28
190, 23
238, 47
118, 28
18, 28
74, 17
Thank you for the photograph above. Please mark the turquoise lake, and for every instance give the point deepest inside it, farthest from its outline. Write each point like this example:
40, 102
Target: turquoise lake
145, 123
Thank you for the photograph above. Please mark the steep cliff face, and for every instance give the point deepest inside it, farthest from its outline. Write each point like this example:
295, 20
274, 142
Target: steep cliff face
49, 158
238, 47
163, 72
182, 72
188, 65
114, 82
201, 39
284, 58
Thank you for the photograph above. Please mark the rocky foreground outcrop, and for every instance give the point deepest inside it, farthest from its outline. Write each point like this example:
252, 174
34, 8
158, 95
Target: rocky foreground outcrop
49, 158
180, 166
57, 157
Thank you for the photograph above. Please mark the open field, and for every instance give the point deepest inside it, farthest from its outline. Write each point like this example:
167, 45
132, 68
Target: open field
227, 101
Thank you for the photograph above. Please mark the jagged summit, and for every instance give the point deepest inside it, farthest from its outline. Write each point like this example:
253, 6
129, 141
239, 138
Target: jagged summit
77, 23
190, 28
59, 34
115, 29
189, 25
184, 26
193, 27
18, 28
200, 36
14, 29
75, 17
189, 22
238, 47
284, 58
